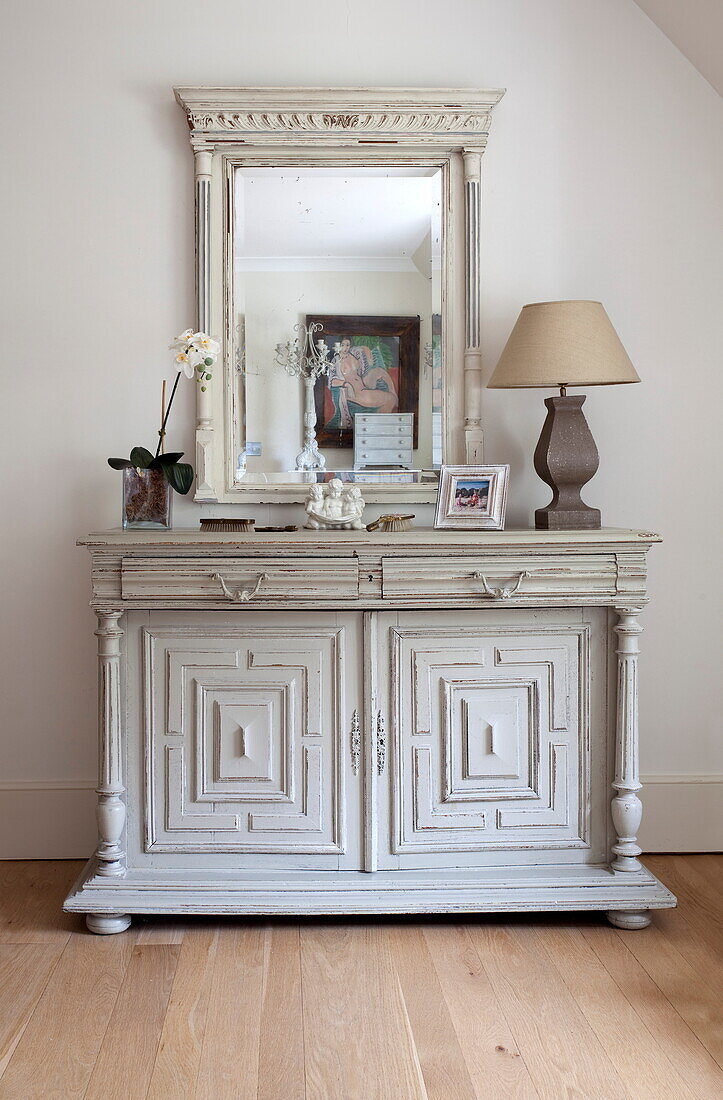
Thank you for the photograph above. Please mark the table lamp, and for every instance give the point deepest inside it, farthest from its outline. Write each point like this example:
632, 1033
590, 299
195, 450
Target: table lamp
564, 344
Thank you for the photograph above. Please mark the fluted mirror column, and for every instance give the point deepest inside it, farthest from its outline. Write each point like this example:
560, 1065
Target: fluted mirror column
473, 434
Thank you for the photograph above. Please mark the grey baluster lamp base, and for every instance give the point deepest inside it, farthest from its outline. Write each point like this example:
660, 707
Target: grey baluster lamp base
566, 458
564, 344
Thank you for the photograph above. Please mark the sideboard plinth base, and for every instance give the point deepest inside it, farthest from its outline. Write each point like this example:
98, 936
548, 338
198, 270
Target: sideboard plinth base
552, 888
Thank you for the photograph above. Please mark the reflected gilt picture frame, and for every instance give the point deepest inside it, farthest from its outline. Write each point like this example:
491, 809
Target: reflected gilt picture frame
384, 350
472, 498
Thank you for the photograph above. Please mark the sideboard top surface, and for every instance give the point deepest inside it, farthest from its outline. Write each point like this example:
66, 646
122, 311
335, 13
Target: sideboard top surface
425, 539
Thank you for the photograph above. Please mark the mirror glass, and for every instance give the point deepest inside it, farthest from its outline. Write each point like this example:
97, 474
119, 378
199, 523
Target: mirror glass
353, 254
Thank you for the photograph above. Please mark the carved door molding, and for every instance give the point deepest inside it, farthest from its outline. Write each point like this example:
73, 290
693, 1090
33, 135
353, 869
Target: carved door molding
488, 722
445, 739
245, 724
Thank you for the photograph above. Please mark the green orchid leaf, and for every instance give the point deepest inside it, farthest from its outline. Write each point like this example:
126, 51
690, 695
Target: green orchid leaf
141, 458
179, 476
165, 460
119, 463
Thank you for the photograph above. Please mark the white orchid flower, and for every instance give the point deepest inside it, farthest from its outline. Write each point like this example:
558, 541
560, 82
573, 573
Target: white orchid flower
180, 342
195, 357
183, 362
206, 344
196, 353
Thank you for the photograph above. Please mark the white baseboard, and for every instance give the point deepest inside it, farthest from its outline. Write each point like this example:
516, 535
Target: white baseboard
55, 819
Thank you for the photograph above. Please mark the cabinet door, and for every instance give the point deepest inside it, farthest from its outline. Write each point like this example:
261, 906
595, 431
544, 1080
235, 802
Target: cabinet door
487, 718
249, 729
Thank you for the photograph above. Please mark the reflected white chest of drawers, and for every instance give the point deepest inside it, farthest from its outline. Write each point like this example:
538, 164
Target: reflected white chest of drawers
345, 722
383, 439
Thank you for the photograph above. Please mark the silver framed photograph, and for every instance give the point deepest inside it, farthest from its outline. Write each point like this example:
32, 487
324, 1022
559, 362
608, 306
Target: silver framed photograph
472, 497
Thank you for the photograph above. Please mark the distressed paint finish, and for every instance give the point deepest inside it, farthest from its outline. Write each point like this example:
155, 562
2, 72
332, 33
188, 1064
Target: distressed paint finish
244, 745
338, 116
473, 434
627, 809
206, 433
442, 127
497, 723
417, 568
487, 716
111, 812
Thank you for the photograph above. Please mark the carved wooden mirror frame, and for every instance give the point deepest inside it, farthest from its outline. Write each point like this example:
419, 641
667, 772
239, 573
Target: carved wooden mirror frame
443, 127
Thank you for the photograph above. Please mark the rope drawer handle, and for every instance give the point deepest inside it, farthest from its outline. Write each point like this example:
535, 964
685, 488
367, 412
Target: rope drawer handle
240, 595
504, 592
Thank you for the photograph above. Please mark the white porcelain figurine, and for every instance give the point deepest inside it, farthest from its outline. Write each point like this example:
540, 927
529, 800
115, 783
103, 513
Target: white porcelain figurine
331, 506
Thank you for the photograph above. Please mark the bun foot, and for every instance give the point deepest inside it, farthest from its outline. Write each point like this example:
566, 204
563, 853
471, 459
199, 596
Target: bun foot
629, 918
107, 924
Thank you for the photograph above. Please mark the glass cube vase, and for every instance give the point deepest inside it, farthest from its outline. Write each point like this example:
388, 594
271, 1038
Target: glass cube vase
146, 499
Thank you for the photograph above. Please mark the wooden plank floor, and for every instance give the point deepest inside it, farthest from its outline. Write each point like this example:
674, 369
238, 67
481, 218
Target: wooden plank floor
549, 1006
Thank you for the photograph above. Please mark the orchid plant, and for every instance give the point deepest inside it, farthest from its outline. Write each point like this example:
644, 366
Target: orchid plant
196, 354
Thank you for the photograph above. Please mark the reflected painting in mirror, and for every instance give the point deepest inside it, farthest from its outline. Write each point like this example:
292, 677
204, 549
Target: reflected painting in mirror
375, 370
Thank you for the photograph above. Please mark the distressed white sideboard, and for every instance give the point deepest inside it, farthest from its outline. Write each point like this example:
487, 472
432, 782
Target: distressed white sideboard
345, 722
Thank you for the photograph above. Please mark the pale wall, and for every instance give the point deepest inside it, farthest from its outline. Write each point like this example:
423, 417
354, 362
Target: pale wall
602, 180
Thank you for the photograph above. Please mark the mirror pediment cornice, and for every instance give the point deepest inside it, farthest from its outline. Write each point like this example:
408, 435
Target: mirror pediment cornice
347, 116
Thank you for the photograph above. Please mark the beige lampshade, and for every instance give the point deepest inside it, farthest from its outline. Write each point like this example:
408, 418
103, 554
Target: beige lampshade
563, 344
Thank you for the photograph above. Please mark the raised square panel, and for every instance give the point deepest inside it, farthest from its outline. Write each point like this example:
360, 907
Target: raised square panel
245, 737
491, 737
243, 742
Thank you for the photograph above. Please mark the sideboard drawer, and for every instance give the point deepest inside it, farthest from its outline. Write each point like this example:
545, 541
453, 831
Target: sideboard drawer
488, 577
239, 581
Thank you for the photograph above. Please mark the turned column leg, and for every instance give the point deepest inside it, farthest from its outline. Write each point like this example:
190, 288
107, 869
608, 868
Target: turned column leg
111, 810
627, 809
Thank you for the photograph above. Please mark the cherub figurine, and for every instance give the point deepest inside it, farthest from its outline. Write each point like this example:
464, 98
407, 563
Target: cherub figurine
314, 506
332, 506
334, 502
354, 506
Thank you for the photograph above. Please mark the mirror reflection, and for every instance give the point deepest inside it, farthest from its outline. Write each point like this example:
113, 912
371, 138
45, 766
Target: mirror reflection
336, 312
